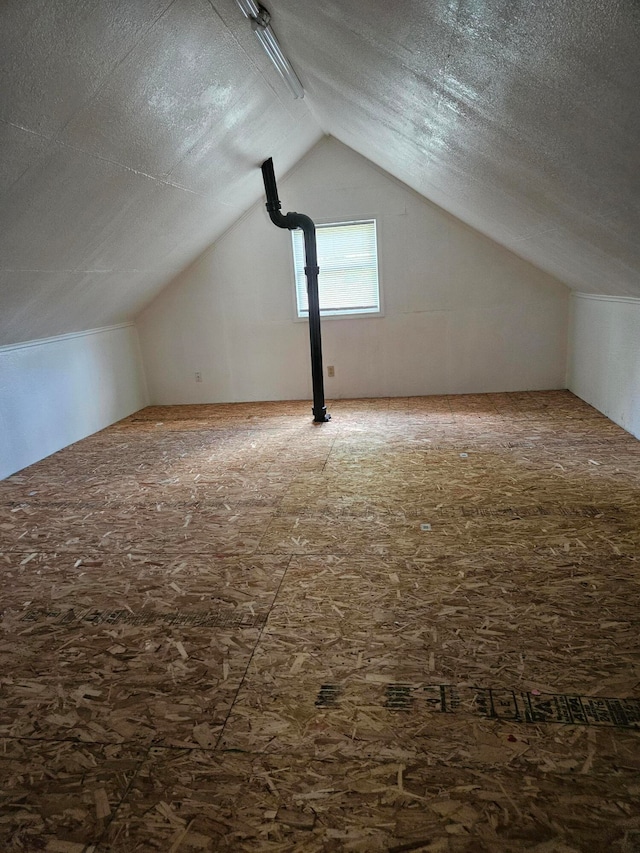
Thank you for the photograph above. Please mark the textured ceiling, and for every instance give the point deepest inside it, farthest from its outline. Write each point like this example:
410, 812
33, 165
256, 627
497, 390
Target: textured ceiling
522, 118
130, 133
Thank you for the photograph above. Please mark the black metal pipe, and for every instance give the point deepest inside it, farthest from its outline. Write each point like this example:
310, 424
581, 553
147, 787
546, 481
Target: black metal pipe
293, 221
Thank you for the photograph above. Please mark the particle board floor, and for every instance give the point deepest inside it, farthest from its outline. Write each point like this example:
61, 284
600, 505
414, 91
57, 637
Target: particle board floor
414, 628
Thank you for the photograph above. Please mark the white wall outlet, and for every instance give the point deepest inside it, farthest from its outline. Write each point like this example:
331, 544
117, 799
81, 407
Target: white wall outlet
198, 376
331, 371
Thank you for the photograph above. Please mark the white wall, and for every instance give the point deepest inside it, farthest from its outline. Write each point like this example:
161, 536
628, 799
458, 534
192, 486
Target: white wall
604, 356
462, 314
56, 391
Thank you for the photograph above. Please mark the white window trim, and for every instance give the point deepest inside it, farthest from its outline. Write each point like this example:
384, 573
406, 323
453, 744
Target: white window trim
355, 315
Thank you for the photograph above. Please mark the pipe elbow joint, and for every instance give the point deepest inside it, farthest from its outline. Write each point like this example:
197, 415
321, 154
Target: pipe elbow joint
277, 218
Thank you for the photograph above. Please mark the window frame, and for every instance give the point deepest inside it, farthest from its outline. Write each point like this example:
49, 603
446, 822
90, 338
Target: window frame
342, 315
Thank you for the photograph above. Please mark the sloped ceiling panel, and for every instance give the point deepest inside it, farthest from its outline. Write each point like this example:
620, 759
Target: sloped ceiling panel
521, 118
131, 134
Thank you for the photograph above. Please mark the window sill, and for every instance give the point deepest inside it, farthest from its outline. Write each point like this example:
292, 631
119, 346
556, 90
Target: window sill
360, 315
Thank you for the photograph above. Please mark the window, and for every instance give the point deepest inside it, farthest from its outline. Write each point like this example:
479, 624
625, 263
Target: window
348, 261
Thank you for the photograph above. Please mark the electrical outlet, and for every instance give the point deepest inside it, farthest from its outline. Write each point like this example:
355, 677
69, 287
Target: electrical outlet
198, 376
331, 371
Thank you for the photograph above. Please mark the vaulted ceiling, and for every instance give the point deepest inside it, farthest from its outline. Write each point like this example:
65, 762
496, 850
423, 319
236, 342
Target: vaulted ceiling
131, 133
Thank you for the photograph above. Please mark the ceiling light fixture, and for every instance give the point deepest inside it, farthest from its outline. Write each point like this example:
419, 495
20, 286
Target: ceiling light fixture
261, 25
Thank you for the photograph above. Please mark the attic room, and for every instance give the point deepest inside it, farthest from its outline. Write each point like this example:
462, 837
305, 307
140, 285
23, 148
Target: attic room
412, 627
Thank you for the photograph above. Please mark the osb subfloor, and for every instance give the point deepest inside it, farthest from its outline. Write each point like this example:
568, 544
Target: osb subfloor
414, 628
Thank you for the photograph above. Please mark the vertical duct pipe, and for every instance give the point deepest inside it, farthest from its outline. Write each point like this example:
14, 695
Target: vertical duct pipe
293, 221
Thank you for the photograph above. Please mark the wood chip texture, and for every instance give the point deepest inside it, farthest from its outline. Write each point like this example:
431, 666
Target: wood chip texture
413, 628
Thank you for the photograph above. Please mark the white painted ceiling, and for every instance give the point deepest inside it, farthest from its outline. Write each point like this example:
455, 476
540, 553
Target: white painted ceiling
131, 132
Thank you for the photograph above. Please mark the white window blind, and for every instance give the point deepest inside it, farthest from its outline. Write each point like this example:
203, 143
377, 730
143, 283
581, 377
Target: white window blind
348, 261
